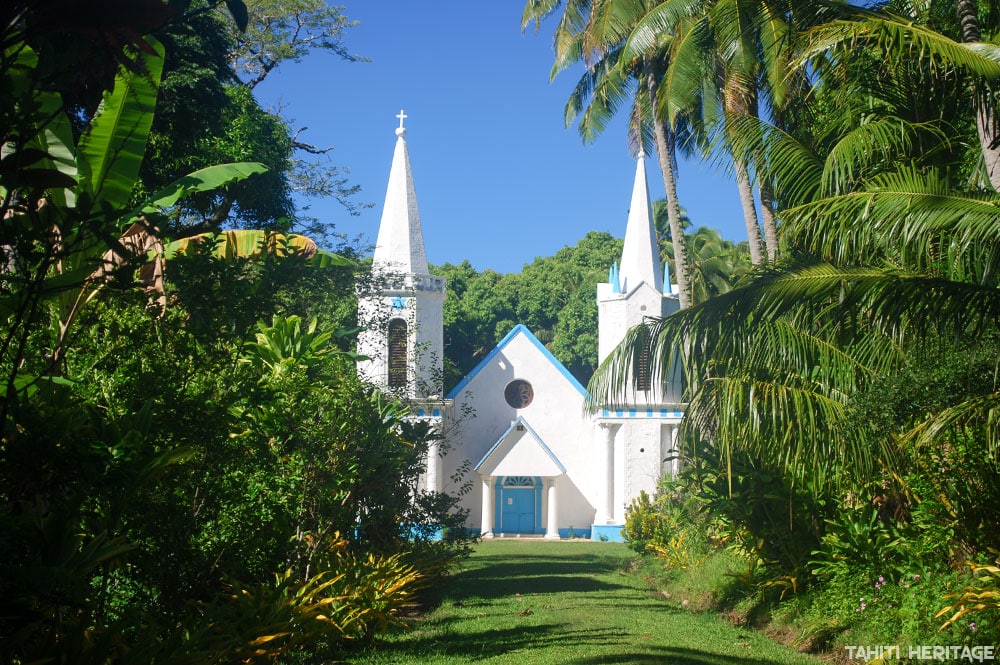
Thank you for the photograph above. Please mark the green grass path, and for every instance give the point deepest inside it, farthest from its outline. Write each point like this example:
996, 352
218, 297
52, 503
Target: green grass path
529, 602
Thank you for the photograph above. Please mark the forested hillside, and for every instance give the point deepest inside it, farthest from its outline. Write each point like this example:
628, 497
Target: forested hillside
556, 296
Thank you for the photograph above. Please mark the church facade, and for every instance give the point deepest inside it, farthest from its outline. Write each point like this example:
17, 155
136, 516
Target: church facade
540, 464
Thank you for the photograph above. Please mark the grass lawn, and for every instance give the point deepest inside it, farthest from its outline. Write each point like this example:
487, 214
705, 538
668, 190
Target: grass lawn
528, 602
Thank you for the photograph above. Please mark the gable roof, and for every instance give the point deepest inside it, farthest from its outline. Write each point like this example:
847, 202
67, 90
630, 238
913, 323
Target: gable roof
520, 452
519, 329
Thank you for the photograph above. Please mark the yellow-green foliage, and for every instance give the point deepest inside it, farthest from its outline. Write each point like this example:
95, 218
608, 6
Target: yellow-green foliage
677, 552
983, 596
352, 598
371, 590
644, 523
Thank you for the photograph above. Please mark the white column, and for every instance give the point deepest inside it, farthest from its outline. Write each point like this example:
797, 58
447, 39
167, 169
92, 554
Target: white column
487, 523
675, 466
606, 473
552, 521
666, 466
434, 466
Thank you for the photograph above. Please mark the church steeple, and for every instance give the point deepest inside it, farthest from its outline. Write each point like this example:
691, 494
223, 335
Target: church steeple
400, 244
634, 291
640, 256
403, 320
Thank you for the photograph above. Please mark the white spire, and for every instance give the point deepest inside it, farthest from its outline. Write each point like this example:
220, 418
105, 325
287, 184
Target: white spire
640, 257
400, 244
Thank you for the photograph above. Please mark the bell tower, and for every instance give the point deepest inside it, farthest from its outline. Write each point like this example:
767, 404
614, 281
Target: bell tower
635, 288
402, 311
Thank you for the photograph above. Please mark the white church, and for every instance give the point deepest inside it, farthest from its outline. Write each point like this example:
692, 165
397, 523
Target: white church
516, 426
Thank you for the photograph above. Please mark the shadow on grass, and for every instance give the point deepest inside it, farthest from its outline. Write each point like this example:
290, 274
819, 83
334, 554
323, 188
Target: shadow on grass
496, 576
490, 624
672, 656
491, 642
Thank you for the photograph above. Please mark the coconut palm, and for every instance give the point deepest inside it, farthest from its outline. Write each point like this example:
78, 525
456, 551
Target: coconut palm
715, 264
730, 60
896, 251
593, 32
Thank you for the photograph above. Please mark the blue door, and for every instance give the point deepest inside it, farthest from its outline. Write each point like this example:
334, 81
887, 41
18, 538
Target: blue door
517, 514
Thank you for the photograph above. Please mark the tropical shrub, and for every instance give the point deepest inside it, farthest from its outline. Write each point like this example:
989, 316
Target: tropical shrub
171, 483
645, 524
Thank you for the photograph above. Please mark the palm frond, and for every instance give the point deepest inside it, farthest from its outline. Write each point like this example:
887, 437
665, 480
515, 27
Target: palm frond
771, 366
913, 216
899, 38
795, 169
662, 19
599, 94
979, 416
609, 24
688, 74
879, 140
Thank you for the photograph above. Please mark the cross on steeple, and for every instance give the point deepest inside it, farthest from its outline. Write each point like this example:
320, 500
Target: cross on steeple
402, 116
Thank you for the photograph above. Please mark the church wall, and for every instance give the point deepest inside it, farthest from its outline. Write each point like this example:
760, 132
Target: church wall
555, 414
642, 449
429, 344
372, 340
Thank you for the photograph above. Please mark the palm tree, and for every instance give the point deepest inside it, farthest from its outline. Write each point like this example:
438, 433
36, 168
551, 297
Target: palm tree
698, 72
892, 257
594, 32
715, 264
730, 59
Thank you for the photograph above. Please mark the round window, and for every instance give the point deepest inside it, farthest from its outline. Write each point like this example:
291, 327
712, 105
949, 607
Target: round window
518, 393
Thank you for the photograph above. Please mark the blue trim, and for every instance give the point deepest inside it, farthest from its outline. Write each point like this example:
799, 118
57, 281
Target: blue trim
519, 328
611, 533
520, 421
634, 413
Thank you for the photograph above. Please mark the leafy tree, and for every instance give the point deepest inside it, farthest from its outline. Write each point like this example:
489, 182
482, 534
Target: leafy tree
478, 312
208, 114
279, 33
282, 32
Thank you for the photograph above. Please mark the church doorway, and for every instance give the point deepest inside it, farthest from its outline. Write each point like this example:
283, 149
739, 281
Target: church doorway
519, 505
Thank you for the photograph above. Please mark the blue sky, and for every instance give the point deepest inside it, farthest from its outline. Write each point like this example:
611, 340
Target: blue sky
500, 180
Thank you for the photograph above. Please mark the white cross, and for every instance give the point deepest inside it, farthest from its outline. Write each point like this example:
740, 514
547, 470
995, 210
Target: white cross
402, 116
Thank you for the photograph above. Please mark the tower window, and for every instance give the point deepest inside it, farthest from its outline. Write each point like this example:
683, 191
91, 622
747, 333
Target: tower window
397, 353
641, 367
